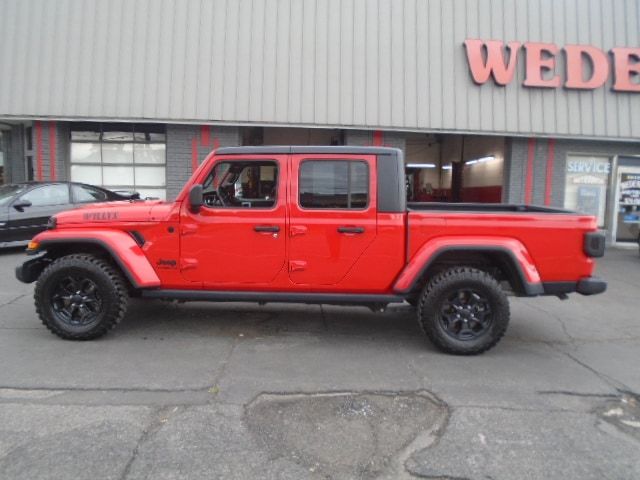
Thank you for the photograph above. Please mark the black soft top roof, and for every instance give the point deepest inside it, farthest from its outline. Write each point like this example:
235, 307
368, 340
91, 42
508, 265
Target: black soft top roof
284, 149
390, 167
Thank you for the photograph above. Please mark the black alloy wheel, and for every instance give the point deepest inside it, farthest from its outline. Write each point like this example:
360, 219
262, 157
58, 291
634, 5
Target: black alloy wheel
464, 311
76, 300
466, 314
81, 296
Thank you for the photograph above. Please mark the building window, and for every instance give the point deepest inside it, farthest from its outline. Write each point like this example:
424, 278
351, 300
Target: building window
120, 156
28, 137
28, 166
586, 185
331, 184
3, 143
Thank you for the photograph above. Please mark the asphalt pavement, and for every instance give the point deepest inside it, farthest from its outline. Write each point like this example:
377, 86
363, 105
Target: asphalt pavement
245, 391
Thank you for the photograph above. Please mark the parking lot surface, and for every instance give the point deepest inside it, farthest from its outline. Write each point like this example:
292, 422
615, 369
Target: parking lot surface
294, 391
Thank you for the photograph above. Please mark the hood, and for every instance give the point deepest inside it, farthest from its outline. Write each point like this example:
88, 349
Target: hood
115, 212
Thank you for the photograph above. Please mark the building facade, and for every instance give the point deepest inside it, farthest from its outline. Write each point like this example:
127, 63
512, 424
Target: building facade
520, 101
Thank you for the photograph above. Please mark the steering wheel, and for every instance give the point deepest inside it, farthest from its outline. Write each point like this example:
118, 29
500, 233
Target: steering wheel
214, 199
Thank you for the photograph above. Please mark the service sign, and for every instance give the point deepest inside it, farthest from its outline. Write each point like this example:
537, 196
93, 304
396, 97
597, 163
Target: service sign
589, 166
588, 180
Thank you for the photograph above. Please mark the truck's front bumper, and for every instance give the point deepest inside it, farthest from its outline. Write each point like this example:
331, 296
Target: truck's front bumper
30, 270
585, 286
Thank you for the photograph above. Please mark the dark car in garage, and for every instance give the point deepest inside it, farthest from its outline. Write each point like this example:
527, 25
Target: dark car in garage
25, 208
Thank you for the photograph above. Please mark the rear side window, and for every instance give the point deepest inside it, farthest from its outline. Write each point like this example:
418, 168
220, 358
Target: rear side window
334, 184
87, 194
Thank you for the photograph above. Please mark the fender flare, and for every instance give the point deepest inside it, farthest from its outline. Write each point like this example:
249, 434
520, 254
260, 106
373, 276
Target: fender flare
429, 253
121, 246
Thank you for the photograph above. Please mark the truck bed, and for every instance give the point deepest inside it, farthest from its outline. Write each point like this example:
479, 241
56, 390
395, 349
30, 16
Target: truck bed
553, 238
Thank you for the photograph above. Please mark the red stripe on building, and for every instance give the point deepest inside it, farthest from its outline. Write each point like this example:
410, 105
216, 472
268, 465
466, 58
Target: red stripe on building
194, 154
205, 135
38, 126
216, 143
551, 156
52, 151
528, 186
378, 138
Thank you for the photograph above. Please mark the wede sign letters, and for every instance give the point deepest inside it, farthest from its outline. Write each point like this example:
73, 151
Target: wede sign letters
586, 67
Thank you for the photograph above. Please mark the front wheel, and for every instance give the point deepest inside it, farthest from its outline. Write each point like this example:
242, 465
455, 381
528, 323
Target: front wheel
463, 311
80, 297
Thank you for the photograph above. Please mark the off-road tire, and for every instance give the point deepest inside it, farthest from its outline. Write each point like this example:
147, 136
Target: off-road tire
447, 283
110, 285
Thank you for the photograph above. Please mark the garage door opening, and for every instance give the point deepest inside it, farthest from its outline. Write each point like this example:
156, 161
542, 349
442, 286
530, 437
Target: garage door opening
454, 168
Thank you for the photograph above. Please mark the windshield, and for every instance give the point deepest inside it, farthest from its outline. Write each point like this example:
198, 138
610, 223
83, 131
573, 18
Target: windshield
8, 192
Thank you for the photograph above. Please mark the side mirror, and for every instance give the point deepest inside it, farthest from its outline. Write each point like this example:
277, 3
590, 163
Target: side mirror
20, 205
196, 200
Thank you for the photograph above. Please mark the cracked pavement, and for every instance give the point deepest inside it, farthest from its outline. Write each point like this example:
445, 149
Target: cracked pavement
292, 391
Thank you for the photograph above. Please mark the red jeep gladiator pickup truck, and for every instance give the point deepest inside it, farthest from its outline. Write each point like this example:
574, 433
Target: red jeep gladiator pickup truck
310, 225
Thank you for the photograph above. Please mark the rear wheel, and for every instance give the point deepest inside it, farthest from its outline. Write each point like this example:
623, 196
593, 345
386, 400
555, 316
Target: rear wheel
463, 311
80, 297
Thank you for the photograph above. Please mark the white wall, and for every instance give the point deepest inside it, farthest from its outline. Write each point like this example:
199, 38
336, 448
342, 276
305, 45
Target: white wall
485, 174
422, 148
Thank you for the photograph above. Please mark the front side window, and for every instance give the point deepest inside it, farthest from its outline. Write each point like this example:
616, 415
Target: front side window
120, 157
48, 195
8, 192
334, 184
242, 184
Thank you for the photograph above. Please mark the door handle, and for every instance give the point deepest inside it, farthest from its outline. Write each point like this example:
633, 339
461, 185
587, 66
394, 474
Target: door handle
296, 230
297, 266
266, 228
351, 230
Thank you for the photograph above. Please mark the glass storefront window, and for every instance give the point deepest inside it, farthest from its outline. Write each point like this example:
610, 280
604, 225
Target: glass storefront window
152, 175
586, 182
117, 175
117, 153
149, 153
85, 152
118, 156
91, 174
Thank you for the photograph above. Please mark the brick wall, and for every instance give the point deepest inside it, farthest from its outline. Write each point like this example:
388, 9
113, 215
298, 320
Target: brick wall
54, 143
14, 158
370, 137
189, 144
517, 154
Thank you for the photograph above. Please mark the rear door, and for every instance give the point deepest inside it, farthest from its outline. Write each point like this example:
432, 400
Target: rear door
332, 205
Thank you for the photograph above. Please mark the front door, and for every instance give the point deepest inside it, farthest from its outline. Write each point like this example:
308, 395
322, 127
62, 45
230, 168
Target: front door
41, 203
238, 237
332, 204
